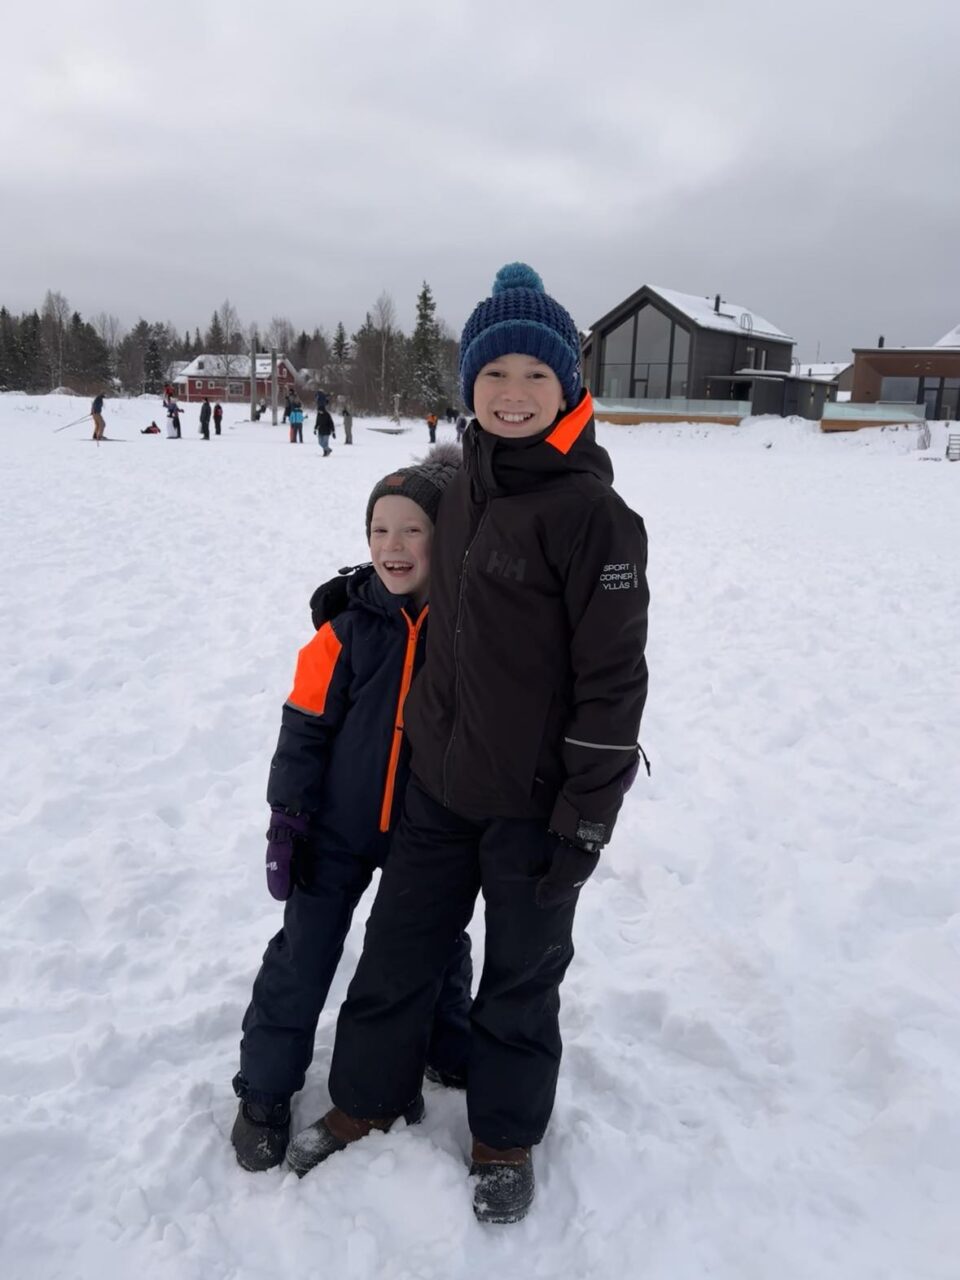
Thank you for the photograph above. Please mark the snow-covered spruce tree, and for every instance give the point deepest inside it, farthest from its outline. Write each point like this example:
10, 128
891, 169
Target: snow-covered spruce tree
87, 357
152, 366
425, 356
215, 338
35, 358
6, 350
340, 383
341, 344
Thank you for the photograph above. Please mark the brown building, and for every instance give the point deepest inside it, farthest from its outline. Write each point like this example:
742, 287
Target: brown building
927, 376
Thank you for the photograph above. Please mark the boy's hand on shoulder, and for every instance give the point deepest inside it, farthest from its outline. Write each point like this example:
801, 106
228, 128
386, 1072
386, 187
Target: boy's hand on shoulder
282, 836
570, 868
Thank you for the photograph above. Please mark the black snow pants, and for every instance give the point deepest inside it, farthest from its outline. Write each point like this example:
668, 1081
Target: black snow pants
438, 863
298, 966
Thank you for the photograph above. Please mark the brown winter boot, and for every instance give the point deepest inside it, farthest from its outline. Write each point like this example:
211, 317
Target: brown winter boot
505, 1182
335, 1131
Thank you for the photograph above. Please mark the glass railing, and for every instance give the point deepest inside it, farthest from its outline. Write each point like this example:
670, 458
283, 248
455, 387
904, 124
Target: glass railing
676, 407
883, 412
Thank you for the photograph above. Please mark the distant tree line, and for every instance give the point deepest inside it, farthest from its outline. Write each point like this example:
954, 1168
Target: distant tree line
55, 347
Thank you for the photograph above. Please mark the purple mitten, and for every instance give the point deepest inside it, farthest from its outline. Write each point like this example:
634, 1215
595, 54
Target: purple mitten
282, 834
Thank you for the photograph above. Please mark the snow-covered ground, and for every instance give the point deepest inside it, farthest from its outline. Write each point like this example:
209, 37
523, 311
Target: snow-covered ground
762, 1068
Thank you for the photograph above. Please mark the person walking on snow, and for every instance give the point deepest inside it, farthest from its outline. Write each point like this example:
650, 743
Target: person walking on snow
205, 419
96, 412
432, 427
336, 782
347, 425
523, 727
217, 417
173, 418
324, 428
296, 421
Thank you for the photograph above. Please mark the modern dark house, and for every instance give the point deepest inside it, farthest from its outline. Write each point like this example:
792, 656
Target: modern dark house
928, 376
659, 345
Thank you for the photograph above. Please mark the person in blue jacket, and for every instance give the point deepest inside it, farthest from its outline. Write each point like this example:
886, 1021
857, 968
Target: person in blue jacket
335, 790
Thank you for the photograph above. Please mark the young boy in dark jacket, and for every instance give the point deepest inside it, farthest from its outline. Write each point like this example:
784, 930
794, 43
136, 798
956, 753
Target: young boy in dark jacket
523, 725
336, 781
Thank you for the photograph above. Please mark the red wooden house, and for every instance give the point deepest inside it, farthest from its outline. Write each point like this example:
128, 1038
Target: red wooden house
227, 377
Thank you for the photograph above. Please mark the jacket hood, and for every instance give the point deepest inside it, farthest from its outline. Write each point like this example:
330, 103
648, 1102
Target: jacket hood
568, 446
366, 591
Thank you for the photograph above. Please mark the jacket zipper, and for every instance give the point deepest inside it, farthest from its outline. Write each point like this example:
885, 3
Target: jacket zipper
413, 637
456, 649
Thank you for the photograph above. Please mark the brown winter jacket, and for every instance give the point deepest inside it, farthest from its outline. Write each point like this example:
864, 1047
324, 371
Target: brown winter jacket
530, 699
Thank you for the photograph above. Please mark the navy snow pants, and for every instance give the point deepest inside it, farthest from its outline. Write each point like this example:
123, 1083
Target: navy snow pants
438, 864
298, 966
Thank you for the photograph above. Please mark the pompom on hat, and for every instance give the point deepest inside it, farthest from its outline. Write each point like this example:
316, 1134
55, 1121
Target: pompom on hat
520, 317
423, 483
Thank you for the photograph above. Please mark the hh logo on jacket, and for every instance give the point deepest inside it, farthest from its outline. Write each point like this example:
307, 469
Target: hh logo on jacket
514, 567
618, 577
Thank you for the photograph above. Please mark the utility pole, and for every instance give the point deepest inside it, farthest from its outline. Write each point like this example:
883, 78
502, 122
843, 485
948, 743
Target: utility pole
253, 380
274, 390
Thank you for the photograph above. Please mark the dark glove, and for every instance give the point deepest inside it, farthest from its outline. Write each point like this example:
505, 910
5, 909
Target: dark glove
570, 867
285, 830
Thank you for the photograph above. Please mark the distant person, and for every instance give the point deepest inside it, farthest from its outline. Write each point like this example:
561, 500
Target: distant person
347, 425
205, 419
96, 412
322, 400
173, 419
287, 406
152, 430
461, 426
217, 418
432, 427
296, 421
450, 414
324, 427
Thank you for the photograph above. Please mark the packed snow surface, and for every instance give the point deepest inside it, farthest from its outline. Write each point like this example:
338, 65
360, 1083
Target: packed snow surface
761, 1078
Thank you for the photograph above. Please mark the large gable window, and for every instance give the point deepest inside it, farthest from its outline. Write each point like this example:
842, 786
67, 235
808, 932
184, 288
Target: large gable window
645, 357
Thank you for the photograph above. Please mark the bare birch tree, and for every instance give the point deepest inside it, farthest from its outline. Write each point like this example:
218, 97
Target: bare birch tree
384, 318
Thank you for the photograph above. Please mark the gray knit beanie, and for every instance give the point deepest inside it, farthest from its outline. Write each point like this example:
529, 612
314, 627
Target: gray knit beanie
422, 483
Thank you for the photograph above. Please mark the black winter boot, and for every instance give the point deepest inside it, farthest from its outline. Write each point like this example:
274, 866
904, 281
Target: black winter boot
335, 1131
260, 1135
505, 1183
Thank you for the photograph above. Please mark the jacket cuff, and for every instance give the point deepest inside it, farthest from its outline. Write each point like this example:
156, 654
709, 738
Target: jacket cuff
564, 819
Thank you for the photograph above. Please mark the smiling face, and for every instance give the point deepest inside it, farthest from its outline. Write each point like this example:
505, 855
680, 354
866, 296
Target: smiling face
401, 535
516, 396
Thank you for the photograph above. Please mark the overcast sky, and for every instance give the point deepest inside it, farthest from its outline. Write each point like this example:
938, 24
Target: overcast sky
801, 159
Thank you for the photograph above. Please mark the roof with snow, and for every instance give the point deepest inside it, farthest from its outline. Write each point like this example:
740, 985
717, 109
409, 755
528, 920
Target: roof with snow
731, 318
228, 366
823, 372
951, 339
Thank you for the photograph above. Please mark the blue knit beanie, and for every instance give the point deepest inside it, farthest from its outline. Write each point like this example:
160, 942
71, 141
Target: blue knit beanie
520, 318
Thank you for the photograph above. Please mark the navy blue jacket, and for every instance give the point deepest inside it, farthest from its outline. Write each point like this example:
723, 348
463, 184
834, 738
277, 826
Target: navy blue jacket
341, 758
